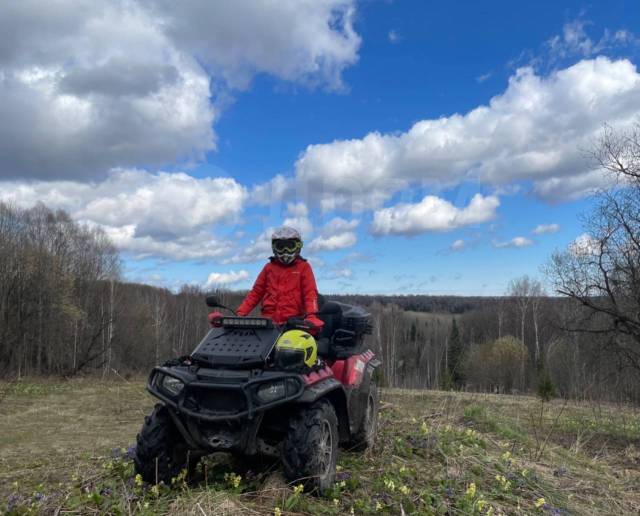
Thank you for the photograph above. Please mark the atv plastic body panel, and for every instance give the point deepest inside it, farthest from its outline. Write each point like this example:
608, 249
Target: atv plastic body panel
228, 395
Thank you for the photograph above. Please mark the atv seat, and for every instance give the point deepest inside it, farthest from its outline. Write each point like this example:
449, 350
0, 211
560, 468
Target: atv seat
331, 315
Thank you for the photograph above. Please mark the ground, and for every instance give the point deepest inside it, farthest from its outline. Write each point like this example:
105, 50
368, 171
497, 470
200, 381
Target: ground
64, 450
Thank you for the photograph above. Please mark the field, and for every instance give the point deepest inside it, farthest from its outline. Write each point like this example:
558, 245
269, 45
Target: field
63, 450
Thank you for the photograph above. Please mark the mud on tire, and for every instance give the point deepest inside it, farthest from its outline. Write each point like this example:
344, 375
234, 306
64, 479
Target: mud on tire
161, 453
310, 449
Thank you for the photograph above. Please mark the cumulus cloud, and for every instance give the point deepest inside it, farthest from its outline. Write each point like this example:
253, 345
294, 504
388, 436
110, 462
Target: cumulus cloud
433, 214
89, 85
159, 214
222, 279
516, 242
535, 130
296, 40
542, 229
338, 233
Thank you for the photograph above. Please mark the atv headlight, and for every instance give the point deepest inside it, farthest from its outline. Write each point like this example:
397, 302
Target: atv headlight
172, 385
271, 391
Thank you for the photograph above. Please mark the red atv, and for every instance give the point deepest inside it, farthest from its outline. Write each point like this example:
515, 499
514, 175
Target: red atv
233, 394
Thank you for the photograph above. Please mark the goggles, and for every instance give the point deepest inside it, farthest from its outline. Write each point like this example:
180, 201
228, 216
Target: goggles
288, 246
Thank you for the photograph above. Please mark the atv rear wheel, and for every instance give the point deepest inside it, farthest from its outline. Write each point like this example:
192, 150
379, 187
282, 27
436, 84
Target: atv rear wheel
161, 452
310, 449
366, 435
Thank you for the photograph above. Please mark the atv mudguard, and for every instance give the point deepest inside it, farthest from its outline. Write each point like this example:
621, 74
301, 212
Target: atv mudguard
333, 390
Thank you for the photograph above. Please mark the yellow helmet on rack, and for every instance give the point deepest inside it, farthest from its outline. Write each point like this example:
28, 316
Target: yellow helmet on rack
295, 349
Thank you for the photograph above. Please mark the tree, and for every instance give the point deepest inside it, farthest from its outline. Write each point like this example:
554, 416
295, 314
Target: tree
601, 270
454, 358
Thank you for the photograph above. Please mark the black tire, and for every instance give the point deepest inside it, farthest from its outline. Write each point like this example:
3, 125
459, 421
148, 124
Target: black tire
365, 437
310, 449
161, 452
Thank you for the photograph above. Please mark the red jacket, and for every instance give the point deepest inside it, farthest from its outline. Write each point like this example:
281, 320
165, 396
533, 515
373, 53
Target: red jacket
285, 291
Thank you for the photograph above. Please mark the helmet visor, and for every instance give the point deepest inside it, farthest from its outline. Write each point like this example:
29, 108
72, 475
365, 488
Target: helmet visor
287, 246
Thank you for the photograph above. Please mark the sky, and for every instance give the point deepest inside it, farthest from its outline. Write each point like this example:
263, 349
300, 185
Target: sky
420, 147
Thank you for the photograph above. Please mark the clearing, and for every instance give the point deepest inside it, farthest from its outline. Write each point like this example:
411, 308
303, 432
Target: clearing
63, 450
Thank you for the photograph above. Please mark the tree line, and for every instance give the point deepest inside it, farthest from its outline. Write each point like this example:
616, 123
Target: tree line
65, 309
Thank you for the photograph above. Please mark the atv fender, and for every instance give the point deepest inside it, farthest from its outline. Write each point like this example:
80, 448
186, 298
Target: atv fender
332, 390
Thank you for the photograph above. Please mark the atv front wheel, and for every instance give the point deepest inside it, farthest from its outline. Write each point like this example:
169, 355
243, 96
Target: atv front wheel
161, 453
310, 449
366, 435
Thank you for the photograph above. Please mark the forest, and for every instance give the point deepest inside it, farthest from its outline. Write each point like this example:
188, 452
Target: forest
65, 308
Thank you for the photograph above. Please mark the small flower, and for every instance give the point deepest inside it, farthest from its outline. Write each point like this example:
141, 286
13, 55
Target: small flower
506, 455
155, 490
338, 467
277, 511
471, 490
298, 489
403, 469
138, 480
540, 502
342, 484
424, 428
146, 505
389, 484
336, 502
378, 506
404, 490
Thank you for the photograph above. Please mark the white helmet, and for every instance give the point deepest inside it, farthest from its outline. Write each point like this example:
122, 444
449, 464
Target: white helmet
286, 243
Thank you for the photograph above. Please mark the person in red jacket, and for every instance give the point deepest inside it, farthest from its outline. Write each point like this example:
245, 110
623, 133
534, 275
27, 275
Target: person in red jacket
286, 286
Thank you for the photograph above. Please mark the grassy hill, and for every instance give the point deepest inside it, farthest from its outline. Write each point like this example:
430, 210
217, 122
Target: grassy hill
63, 450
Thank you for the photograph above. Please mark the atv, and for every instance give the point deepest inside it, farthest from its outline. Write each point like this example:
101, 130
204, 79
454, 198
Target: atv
243, 392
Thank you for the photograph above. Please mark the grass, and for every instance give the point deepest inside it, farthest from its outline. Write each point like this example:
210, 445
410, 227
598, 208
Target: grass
63, 450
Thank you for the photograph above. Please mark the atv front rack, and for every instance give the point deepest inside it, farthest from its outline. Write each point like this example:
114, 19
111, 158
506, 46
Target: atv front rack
229, 395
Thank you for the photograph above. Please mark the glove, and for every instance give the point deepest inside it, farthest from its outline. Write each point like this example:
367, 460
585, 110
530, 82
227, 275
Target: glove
215, 319
317, 324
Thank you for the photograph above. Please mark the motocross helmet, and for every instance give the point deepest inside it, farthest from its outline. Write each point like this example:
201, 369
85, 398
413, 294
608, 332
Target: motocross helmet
286, 244
295, 350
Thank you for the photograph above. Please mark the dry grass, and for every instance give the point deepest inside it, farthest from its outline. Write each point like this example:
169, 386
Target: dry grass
437, 453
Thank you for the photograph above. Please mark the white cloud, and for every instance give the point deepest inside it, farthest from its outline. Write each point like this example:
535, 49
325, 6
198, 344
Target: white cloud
257, 249
222, 279
458, 245
336, 234
542, 229
484, 77
161, 214
433, 214
516, 242
89, 85
575, 41
584, 245
295, 40
333, 243
537, 130
298, 218
393, 36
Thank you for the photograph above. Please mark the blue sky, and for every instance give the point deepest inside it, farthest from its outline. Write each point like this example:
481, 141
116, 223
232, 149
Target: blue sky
375, 118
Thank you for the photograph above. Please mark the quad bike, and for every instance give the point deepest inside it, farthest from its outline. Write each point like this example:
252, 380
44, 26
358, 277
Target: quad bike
243, 390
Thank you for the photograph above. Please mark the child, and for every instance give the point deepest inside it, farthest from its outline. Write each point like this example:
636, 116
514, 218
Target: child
286, 285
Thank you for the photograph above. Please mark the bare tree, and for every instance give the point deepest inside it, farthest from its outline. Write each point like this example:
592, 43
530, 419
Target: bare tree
601, 270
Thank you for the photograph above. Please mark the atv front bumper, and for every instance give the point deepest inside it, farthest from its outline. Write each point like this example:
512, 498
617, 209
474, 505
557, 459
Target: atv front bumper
223, 395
